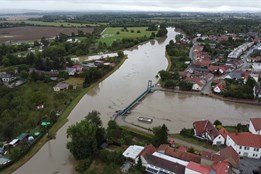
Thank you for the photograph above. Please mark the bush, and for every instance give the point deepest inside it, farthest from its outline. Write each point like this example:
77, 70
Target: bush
83, 165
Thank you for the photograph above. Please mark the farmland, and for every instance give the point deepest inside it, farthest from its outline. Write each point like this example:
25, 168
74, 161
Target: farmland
113, 34
35, 33
52, 24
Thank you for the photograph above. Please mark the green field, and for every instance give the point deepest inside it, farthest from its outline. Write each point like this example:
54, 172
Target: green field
54, 24
109, 35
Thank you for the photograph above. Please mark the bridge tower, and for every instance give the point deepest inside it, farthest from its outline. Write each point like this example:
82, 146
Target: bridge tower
149, 85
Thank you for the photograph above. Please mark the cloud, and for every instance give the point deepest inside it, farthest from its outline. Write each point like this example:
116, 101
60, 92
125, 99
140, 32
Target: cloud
133, 5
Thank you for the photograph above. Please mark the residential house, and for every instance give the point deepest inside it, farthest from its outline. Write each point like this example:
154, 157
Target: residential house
206, 130
132, 153
219, 87
255, 126
6, 78
198, 84
245, 144
226, 154
222, 167
234, 75
176, 153
71, 71
78, 68
61, 86
256, 67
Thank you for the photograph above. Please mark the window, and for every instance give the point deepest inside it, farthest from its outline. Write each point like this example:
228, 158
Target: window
246, 148
240, 147
256, 149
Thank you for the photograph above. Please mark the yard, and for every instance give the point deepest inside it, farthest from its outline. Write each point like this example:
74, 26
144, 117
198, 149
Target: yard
112, 34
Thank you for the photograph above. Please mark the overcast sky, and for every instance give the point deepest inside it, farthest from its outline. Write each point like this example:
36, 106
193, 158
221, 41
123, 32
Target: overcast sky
135, 5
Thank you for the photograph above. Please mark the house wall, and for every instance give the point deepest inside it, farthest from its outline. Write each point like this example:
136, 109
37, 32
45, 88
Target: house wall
156, 169
217, 89
219, 140
249, 152
189, 171
196, 87
252, 129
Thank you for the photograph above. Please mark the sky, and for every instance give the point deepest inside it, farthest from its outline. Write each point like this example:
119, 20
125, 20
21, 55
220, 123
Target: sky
135, 5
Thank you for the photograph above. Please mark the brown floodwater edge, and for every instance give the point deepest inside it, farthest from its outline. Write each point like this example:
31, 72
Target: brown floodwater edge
212, 95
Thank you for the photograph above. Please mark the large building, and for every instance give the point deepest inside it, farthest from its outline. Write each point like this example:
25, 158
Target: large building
245, 144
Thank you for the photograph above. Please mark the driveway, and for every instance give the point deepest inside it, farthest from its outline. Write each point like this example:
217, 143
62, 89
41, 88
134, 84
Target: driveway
247, 165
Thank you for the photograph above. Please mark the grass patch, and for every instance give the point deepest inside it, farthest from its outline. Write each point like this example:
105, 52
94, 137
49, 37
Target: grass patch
75, 81
194, 140
110, 34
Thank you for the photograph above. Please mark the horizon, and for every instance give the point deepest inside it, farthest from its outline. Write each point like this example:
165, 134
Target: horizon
204, 6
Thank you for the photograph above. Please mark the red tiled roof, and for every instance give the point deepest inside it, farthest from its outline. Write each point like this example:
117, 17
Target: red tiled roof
162, 148
256, 123
198, 168
226, 154
213, 68
199, 126
246, 139
183, 148
221, 167
223, 132
186, 156
230, 155
205, 127
149, 149
211, 156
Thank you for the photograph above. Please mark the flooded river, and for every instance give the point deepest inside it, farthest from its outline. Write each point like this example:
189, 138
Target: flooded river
179, 111
119, 90
114, 93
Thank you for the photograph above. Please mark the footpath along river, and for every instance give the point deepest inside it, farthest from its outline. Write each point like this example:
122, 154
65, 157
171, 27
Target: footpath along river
114, 93
120, 89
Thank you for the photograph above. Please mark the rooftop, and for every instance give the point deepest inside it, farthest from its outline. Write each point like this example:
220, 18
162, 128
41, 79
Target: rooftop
133, 151
198, 168
256, 123
246, 139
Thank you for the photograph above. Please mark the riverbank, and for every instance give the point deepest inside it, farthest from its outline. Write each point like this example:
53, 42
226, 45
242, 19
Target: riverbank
60, 122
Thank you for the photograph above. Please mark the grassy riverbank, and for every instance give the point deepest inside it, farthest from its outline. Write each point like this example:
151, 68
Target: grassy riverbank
60, 122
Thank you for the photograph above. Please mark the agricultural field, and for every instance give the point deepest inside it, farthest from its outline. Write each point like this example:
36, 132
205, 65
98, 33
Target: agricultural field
111, 34
52, 24
31, 33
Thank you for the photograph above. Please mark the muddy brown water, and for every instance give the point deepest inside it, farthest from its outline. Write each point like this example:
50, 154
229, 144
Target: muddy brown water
178, 111
119, 90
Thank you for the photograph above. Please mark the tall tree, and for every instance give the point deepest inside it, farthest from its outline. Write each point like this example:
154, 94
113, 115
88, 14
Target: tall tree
83, 140
160, 135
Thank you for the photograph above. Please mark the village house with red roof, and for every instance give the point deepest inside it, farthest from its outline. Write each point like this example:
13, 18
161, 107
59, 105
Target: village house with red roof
245, 144
205, 130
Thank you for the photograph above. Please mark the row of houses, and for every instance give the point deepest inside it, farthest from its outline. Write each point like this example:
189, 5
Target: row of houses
168, 160
246, 144
237, 52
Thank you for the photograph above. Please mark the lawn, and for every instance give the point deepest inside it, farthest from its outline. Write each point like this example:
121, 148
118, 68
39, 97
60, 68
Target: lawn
75, 81
110, 34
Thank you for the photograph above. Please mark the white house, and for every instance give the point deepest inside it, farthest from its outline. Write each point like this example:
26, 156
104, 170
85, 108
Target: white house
255, 126
133, 152
256, 67
245, 144
205, 130
6, 78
